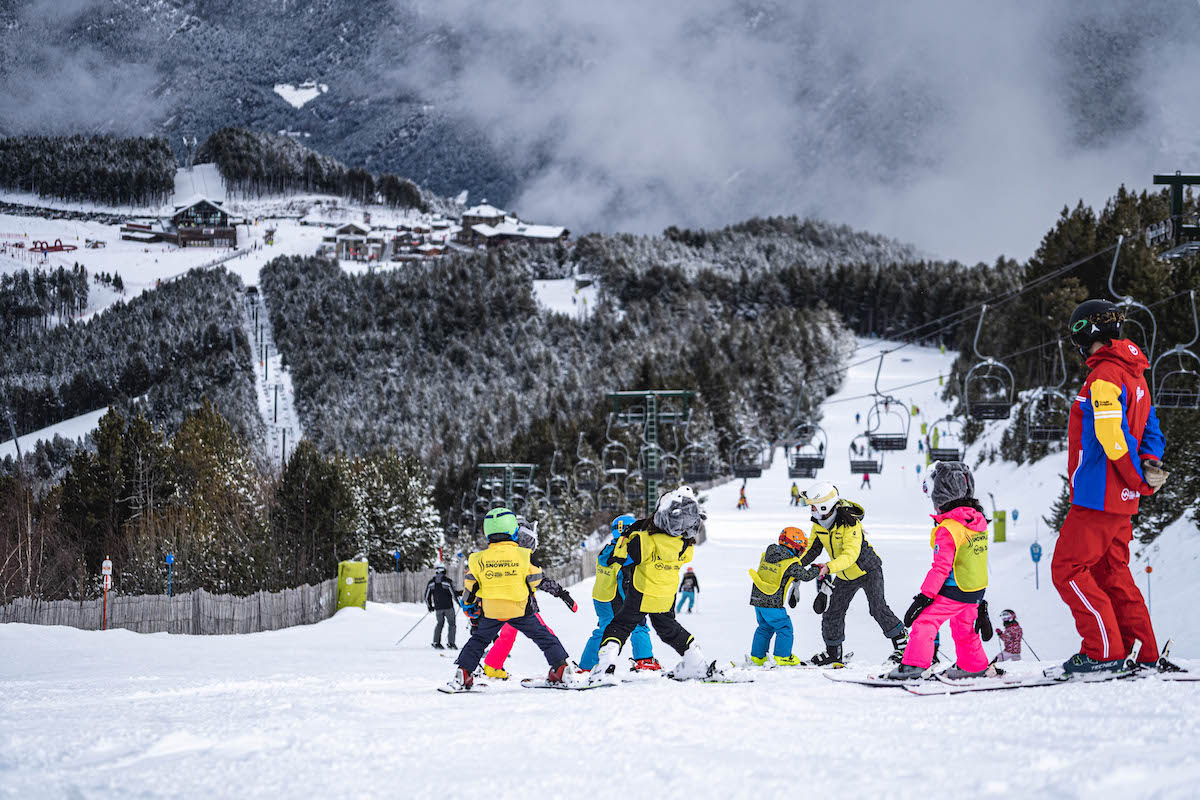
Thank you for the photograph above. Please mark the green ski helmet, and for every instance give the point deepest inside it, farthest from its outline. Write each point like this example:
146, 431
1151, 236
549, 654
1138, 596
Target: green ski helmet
499, 525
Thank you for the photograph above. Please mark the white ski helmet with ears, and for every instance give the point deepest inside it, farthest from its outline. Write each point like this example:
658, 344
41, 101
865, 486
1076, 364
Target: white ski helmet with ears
822, 498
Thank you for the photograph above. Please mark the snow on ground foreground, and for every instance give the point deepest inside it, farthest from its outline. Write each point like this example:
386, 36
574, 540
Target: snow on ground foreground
338, 707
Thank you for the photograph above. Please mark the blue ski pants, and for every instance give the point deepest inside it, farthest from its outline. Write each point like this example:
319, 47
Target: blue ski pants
772, 622
686, 597
605, 611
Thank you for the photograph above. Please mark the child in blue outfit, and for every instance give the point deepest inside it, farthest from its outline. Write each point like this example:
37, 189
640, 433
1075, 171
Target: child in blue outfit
777, 570
608, 595
688, 587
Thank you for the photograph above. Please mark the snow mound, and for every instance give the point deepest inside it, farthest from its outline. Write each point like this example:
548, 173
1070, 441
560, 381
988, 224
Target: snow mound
296, 95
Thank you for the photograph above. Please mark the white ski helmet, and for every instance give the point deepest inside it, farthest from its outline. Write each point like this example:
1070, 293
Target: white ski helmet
823, 498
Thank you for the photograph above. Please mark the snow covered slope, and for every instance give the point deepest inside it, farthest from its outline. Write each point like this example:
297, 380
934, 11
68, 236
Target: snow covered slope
74, 428
337, 706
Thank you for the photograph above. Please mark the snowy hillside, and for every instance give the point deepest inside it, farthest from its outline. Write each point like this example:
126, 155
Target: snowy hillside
314, 710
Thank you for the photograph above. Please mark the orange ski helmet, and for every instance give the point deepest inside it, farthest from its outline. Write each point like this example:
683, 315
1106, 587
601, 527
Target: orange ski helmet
793, 538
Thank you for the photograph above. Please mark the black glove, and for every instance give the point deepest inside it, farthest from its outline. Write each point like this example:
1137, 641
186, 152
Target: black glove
824, 589
983, 625
566, 598
920, 603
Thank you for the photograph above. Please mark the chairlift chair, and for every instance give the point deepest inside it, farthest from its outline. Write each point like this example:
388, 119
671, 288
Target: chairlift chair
749, 458
867, 464
697, 464
586, 473
942, 452
610, 498
1049, 409
1179, 387
888, 424
635, 488
645, 455
807, 444
989, 386
614, 456
586, 503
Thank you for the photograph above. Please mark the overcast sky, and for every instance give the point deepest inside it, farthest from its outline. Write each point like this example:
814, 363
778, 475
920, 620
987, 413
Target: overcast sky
961, 127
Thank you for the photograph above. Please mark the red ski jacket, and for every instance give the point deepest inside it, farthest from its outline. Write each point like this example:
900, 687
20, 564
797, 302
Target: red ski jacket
1112, 428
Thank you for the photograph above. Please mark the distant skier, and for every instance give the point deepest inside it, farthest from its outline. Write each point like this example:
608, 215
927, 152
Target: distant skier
441, 598
866, 481
493, 663
688, 587
742, 503
795, 494
954, 587
1011, 634
497, 589
778, 570
657, 548
608, 594
1114, 447
857, 418
837, 530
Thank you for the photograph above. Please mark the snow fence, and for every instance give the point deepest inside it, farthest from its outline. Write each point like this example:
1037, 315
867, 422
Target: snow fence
201, 612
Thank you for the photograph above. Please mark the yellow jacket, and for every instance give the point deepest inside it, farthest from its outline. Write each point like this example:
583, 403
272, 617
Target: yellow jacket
503, 578
850, 554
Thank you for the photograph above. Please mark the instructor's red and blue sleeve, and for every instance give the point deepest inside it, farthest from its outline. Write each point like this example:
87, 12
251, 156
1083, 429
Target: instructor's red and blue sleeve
1112, 431
1153, 441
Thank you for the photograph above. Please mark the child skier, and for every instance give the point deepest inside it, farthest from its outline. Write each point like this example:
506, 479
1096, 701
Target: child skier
657, 548
778, 568
493, 663
837, 530
795, 494
497, 589
954, 586
1011, 634
688, 587
742, 502
608, 595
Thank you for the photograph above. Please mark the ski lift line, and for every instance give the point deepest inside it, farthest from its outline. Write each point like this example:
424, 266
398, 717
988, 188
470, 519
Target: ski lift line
873, 395
996, 300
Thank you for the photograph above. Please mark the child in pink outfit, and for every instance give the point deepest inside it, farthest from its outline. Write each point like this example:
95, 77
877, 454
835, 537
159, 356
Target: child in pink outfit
504, 645
953, 588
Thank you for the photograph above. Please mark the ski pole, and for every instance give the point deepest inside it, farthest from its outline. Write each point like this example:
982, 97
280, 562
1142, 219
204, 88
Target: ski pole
414, 627
1026, 642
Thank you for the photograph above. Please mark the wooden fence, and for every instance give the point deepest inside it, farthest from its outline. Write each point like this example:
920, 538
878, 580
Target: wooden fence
202, 612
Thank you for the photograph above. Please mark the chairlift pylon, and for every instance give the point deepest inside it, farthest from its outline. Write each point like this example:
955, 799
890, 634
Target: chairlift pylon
1180, 387
989, 386
1148, 340
1049, 409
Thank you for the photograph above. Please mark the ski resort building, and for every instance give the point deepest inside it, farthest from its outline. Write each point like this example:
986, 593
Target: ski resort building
354, 241
510, 231
201, 222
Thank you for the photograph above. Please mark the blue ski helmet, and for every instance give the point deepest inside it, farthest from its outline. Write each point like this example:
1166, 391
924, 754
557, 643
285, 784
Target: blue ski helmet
500, 524
621, 524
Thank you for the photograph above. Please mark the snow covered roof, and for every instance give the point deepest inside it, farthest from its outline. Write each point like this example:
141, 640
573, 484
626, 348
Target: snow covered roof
483, 210
357, 227
519, 229
195, 200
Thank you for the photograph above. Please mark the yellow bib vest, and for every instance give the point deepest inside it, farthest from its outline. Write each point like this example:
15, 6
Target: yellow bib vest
657, 577
970, 554
769, 577
501, 571
605, 588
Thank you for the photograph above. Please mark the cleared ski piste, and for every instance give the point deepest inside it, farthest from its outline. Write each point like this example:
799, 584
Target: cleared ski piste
336, 708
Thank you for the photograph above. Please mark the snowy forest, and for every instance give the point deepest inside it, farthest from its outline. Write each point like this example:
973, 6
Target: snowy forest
168, 348
254, 164
201, 494
97, 169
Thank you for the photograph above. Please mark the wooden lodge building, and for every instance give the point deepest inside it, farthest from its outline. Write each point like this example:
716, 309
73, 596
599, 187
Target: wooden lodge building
204, 223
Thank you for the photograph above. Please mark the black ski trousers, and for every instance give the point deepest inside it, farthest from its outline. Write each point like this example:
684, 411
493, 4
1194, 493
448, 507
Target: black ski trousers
833, 621
630, 616
488, 629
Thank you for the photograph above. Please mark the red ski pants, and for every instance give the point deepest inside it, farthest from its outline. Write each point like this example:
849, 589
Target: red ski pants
1090, 569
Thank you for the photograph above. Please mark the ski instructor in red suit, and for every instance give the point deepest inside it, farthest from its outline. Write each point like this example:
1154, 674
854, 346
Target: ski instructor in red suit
1114, 452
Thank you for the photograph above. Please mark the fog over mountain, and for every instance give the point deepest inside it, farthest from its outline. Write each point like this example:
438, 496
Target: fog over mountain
960, 127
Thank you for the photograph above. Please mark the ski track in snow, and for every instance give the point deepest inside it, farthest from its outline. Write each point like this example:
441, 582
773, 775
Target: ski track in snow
337, 707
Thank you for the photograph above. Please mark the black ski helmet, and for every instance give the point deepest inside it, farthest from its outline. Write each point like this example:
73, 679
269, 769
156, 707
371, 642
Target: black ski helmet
1095, 321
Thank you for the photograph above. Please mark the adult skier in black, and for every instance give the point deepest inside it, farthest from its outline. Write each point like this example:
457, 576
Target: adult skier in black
442, 598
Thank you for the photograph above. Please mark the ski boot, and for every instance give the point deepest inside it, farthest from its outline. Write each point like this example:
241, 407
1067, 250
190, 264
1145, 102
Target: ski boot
606, 667
646, 664
898, 644
1080, 664
1162, 665
957, 673
905, 672
461, 682
559, 674
832, 657
492, 672
437, 646
755, 661
693, 665
788, 661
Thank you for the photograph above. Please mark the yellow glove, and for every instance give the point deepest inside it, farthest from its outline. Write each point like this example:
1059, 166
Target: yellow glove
1155, 475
